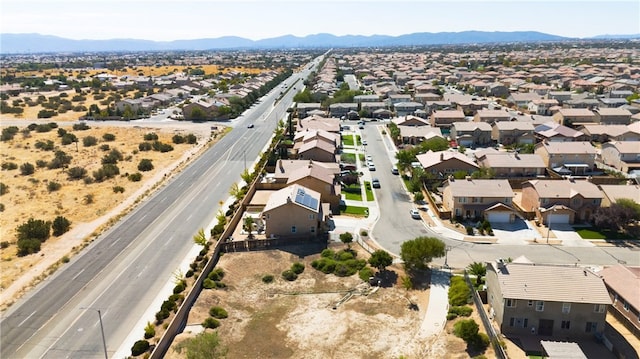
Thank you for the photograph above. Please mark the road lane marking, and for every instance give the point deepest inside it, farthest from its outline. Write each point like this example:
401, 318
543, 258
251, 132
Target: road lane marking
27, 318
77, 275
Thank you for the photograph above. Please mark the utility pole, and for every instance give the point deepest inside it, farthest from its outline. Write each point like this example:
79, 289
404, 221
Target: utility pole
104, 342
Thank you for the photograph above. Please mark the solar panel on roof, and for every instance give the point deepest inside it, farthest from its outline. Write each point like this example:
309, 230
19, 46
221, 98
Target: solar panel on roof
302, 198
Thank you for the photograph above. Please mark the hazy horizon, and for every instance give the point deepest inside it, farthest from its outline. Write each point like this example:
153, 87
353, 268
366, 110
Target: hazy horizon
256, 20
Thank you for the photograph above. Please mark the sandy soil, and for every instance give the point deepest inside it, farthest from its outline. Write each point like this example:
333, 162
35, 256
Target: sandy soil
298, 320
28, 195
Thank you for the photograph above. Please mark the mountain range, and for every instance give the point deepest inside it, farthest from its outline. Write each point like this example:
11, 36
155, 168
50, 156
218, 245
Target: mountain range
37, 43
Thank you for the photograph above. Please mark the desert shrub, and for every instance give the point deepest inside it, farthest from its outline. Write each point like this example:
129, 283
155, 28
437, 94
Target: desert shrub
211, 323
4, 244
218, 312
161, 147
191, 139
145, 146
217, 229
4, 189
469, 230
42, 128
109, 137
145, 165
267, 278
162, 315
151, 136
27, 169
34, 229
53, 186
46, 113
216, 274
89, 141
480, 342
118, 189
459, 311
208, 284
189, 273
28, 246
180, 287
76, 173
178, 139
112, 157
149, 331
466, 329
41, 163
60, 225
365, 273
104, 147
297, 268
169, 305
80, 126
289, 275
8, 133
9, 166
178, 298
88, 180
47, 145
139, 347
69, 138
61, 132
107, 171
135, 177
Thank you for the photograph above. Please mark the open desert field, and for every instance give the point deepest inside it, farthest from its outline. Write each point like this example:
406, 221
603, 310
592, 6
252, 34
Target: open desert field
90, 205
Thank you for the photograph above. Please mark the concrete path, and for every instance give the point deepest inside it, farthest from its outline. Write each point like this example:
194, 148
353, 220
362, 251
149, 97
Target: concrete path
436, 316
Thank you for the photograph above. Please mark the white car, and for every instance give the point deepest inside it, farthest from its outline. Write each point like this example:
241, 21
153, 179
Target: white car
371, 167
415, 214
364, 142
369, 158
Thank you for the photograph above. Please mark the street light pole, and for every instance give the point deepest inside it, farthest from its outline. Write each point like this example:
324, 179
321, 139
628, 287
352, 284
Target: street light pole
104, 342
446, 256
548, 227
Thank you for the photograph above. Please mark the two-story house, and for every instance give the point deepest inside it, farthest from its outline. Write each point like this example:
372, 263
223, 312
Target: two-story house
444, 163
612, 116
471, 134
542, 106
561, 201
623, 284
527, 299
293, 211
513, 132
623, 156
574, 116
491, 116
444, 118
554, 132
472, 198
340, 110
513, 164
407, 108
305, 109
576, 158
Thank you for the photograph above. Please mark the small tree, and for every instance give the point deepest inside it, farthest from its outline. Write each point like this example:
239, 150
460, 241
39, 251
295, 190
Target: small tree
478, 269
27, 169
248, 226
346, 238
467, 329
89, 141
34, 229
380, 260
149, 331
418, 253
60, 225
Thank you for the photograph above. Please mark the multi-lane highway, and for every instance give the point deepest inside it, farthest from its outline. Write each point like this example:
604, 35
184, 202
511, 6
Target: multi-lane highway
121, 272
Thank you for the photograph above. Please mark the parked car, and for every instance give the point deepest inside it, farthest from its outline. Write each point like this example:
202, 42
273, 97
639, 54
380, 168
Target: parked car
375, 183
415, 214
364, 142
250, 125
372, 167
394, 170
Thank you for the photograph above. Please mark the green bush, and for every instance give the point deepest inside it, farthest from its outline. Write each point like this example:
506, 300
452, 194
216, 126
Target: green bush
467, 329
162, 315
4, 244
80, 126
28, 246
211, 323
469, 230
216, 274
289, 275
76, 173
145, 165
8, 166
297, 268
53, 186
139, 347
267, 278
480, 342
4, 189
145, 146
459, 291
118, 189
135, 177
365, 273
180, 287
109, 137
327, 253
149, 331
459, 311
34, 229
344, 256
218, 312
60, 226
169, 306
27, 169
89, 141
208, 283
151, 136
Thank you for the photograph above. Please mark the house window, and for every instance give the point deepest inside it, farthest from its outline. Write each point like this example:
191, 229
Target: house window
576, 201
462, 199
512, 321
293, 229
539, 306
625, 305
511, 303
599, 308
312, 229
475, 200
565, 324
566, 308
544, 200
525, 322
268, 216
312, 216
530, 303
591, 327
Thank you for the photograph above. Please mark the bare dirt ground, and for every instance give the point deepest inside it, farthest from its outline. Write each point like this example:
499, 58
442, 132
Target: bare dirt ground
298, 320
28, 196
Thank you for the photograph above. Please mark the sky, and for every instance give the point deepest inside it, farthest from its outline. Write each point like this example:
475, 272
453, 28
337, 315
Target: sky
167, 20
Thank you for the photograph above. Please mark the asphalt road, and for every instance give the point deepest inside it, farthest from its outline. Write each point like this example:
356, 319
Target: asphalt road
122, 271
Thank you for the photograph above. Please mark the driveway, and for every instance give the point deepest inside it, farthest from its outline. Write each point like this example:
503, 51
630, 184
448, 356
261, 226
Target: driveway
568, 235
516, 233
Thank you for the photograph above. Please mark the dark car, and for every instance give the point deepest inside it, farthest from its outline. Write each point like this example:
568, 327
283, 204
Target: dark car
375, 183
250, 125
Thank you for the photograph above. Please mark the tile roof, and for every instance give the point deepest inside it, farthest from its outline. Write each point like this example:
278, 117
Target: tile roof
433, 158
551, 283
290, 193
480, 188
565, 189
625, 281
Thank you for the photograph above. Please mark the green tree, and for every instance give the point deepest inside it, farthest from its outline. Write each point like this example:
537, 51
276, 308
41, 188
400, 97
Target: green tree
478, 269
405, 158
60, 225
145, 165
380, 260
418, 253
346, 238
248, 226
205, 345
467, 329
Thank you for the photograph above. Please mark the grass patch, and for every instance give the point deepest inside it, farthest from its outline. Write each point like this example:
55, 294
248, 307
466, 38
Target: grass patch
368, 190
592, 233
355, 211
348, 158
347, 140
352, 192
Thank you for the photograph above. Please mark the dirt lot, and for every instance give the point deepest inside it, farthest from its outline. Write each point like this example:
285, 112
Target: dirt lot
28, 196
298, 320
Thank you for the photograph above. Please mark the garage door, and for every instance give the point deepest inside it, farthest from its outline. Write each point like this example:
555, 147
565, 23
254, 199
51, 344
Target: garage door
558, 218
499, 217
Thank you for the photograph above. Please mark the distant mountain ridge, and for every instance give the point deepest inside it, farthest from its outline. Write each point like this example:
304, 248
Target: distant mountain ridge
37, 43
